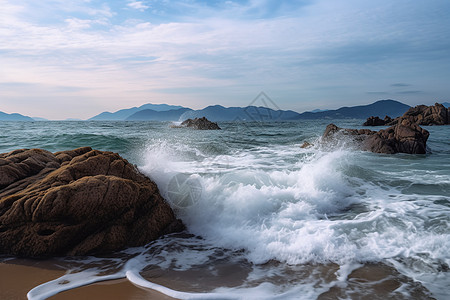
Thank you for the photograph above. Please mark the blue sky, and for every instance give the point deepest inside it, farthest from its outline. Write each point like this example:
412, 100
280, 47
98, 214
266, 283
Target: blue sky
74, 59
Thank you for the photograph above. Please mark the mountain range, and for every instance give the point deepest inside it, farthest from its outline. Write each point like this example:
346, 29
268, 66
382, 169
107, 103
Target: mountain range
216, 113
123, 114
165, 112
380, 108
14, 117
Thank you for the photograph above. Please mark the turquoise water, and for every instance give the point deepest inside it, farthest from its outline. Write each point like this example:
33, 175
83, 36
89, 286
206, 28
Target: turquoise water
285, 222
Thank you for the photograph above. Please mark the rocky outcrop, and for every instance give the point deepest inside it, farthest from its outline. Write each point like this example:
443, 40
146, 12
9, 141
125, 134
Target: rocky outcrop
77, 202
376, 121
437, 114
199, 123
404, 137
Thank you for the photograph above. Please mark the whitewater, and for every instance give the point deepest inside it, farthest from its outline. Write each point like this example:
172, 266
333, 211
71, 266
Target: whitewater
267, 219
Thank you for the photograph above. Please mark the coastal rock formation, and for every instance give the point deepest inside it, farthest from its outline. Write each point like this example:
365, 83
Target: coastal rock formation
77, 202
199, 124
376, 121
404, 137
437, 114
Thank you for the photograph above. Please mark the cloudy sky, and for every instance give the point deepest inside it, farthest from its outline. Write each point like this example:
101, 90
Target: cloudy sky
74, 59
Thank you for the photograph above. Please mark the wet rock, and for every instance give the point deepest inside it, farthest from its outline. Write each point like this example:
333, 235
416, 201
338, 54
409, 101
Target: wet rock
199, 124
77, 202
437, 114
388, 120
374, 121
404, 137
306, 145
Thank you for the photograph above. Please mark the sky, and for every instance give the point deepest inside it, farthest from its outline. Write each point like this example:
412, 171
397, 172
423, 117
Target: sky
74, 59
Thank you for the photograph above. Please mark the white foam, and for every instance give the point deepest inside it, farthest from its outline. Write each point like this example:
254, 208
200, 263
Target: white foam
295, 206
67, 282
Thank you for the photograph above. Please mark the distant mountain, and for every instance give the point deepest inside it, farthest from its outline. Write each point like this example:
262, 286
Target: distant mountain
249, 113
152, 115
164, 112
123, 114
380, 108
14, 117
39, 119
446, 104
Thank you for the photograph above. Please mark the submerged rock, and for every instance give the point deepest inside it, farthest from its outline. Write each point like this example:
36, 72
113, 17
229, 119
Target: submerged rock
77, 202
199, 124
306, 145
404, 137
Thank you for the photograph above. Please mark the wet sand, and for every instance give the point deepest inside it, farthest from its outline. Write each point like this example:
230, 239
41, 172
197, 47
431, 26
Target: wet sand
370, 281
18, 277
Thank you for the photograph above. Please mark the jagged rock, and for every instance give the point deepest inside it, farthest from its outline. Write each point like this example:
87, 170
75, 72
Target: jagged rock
387, 120
404, 137
374, 121
437, 114
77, 202
199, 123
428, 115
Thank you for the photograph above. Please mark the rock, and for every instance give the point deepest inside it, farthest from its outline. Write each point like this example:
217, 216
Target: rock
77, 202
199, 124
332, 130
387, 120
404, 137
437, 114
306, 145
374, 121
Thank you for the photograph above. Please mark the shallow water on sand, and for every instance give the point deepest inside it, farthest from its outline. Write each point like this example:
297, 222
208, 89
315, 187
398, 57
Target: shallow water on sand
268, 219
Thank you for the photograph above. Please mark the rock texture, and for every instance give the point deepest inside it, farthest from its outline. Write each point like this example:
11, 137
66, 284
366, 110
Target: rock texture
376, 121
77, 202
199, 123
404, 137
437, 114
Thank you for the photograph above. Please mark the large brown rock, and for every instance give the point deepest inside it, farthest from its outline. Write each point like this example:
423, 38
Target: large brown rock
77, 202
436, 114
404, 137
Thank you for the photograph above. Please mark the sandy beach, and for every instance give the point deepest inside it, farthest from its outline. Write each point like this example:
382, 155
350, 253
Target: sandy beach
18, 277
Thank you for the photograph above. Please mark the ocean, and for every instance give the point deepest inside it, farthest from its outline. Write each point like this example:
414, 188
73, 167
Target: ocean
267, 219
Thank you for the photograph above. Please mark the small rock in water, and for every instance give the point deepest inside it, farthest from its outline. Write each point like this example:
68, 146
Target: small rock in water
306, 145
199, 124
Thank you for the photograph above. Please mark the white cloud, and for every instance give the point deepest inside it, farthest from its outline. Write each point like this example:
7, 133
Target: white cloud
139, 5
296, 56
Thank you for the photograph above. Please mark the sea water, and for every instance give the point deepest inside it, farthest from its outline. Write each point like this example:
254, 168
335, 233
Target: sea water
267, 219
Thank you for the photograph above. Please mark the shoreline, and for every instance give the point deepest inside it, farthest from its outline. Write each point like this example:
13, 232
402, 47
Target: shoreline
19, 276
